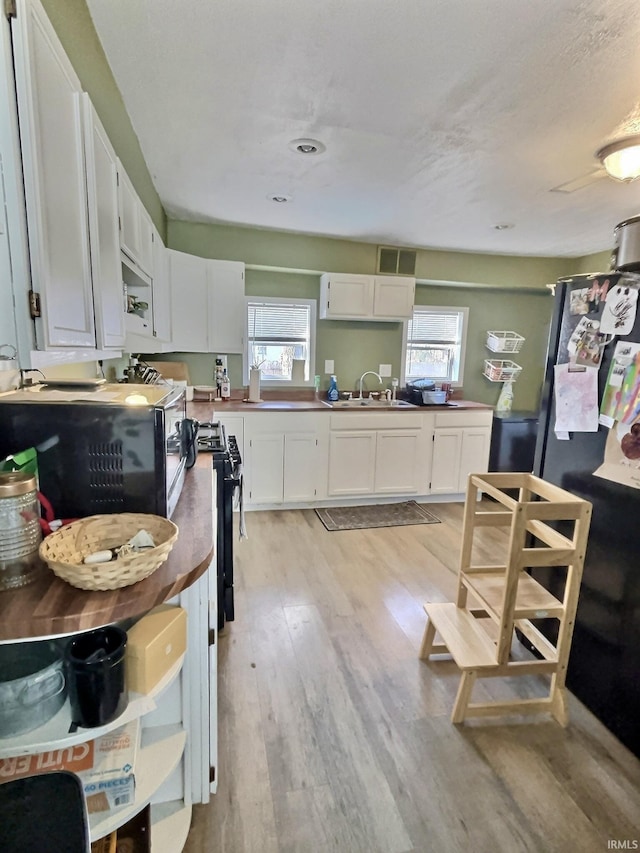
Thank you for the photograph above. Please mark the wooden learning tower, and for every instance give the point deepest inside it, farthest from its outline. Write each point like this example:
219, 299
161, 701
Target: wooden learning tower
507, 596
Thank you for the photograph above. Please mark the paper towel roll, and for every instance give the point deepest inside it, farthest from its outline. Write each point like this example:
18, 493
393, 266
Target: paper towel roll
254, 385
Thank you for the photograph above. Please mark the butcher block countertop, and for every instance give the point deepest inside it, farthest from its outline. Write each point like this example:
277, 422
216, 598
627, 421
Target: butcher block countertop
50, 606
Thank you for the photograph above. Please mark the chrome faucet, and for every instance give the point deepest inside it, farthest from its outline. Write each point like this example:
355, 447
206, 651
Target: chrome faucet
373, 373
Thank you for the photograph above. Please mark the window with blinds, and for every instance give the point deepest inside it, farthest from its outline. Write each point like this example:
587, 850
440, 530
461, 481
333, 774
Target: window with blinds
280, 332
434, 343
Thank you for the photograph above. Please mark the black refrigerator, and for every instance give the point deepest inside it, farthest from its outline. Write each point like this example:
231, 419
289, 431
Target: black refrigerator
604, 666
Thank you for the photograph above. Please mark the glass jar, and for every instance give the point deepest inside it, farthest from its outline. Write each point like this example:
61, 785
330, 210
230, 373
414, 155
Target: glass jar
20, 532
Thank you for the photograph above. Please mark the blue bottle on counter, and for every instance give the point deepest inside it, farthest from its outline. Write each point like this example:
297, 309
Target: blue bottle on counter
332, 393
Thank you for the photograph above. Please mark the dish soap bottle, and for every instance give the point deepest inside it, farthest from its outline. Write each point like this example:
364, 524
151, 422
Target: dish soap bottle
333, 393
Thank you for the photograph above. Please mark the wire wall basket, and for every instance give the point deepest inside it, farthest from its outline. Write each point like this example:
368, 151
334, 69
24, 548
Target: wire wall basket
504, 341
501, 371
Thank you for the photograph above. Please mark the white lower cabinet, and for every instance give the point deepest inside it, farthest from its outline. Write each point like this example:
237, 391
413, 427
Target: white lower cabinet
379, 453
398, 462
285, 458
460, 447
352, 456
302, 458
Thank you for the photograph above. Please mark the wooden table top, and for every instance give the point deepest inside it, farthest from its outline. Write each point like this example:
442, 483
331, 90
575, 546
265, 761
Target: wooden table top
50, 606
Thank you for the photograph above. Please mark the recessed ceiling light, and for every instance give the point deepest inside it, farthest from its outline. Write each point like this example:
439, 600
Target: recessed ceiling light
504, 226
307, 146
279, 198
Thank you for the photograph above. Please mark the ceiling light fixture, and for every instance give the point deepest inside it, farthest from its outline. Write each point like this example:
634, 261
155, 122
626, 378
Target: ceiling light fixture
307, 146
504, 226
279, 199
621, 159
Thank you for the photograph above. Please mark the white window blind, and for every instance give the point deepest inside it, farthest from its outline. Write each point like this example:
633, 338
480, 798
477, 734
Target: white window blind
434, 344
434, 328
281, 333
273, 323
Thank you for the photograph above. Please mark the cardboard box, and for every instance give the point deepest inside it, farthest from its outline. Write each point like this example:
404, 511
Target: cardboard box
105, 766
154, 644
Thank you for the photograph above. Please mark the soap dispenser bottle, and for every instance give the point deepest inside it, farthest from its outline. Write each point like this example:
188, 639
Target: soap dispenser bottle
333, 393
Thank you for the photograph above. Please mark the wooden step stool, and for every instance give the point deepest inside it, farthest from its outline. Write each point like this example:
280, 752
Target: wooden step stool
508, 596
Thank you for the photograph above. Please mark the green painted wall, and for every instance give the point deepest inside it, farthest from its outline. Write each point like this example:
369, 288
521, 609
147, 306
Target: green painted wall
324, 254
593, 263
510, 294
72, 22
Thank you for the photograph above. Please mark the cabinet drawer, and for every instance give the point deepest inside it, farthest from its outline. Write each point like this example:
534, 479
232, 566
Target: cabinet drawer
464, 419
377, 420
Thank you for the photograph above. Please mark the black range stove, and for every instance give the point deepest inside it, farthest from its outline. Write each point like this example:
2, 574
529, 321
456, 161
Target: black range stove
227, 463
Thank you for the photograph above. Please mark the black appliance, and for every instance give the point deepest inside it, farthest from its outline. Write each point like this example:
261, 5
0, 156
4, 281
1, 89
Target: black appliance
417, 392
604, 666
513, 441
112, 448
227, 464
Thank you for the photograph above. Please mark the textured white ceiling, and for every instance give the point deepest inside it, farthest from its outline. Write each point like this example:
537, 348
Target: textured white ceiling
442, 118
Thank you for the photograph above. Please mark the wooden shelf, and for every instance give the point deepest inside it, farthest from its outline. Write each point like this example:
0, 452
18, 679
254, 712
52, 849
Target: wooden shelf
160, 753
533, 601
170, 824
55, 734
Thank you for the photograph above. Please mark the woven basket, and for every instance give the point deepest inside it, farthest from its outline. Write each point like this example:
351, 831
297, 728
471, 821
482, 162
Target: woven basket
64, 550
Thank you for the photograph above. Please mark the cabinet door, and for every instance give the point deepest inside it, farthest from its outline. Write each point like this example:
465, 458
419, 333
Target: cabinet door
189, 279
300, 467
265, 468
445, 465
146, 229
49, 111
474, 456
227, 306
398, 463
393, 296
130, 238
161, 290
348, 296
102, 198
352, 457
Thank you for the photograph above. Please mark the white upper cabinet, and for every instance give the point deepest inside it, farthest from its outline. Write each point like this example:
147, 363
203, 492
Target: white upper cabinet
346, 297
189, 277
227, 306
146, 239
393, 296
161, 290
207, 304
135, 224
102, 198
50, 117
366, 297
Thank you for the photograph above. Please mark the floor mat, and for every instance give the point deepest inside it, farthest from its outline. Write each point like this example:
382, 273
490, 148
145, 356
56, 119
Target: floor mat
375, 515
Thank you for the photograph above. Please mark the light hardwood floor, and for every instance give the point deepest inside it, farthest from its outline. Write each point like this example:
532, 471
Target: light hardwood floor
335, 737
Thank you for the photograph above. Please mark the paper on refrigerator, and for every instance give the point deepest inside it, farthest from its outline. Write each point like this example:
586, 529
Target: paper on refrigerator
576, 397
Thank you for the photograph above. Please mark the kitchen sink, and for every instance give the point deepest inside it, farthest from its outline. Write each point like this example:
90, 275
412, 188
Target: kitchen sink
368, 403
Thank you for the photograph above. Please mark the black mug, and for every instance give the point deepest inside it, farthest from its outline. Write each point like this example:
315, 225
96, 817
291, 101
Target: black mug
95, 664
